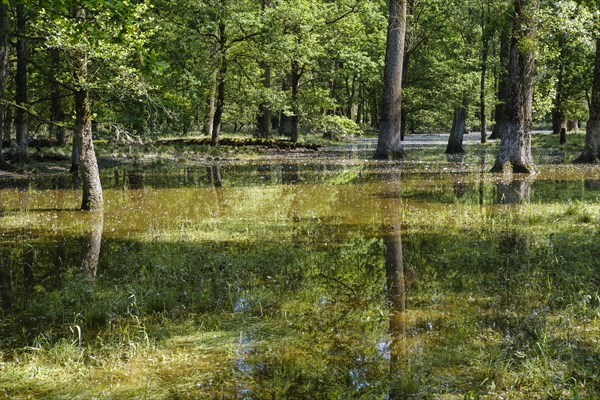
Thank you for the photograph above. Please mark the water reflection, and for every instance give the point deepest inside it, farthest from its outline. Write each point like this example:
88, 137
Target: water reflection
517, 191
214, 176
391, 227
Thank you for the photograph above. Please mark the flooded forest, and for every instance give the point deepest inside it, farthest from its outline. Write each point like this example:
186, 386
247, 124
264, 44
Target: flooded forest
300, 199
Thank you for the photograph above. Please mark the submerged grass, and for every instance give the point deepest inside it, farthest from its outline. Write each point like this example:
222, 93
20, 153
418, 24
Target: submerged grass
279, 290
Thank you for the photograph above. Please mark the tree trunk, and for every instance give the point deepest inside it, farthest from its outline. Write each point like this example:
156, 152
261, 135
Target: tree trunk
389, 143
572, 125
8, 123
3, 70
455, 141
58, 115
484, 59
263, 119
91, 246
21, 116
591, 151
216, 130
90, 175
296, 73
499, 111
559, 120
515, 149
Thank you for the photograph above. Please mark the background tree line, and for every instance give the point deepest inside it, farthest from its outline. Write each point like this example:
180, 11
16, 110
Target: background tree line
266, 67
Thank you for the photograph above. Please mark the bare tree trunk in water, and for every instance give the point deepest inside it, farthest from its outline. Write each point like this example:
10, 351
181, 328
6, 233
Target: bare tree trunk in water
499, 110
515, 149
455, 140
58, 115
216, 130
21, 116
92, 245
294, 118
389, 143
591, 151
90, 175
3, 71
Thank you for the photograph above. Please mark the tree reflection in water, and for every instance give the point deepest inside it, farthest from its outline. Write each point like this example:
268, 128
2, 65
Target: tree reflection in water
391, 226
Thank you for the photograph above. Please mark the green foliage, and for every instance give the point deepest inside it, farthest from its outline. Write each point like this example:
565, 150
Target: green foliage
337, 127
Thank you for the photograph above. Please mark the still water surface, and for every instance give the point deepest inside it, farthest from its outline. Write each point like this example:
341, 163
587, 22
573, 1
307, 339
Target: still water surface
313, 279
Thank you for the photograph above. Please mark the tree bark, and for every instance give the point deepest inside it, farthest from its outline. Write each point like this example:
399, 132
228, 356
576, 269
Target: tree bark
90, 175
484, 60
263, 119
3, 70
389, 143
210, 108
21, 116
295, 119
216, 130
455, 141
499, 110
591, 151
515, 149
91, 246
7, 126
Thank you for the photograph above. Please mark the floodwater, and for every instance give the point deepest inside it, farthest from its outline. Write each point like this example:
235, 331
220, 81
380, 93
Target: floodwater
316, 277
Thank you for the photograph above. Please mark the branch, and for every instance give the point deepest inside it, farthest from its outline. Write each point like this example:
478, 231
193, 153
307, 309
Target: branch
344, 15
36, 115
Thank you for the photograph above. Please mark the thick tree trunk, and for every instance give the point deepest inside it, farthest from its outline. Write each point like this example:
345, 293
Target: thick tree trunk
216, 130
3, 70
263, 119
499, 110
455, 141
515, 149
591, 151
58, 115
90, 175
572, 125
389, 144
295, 119
21, 116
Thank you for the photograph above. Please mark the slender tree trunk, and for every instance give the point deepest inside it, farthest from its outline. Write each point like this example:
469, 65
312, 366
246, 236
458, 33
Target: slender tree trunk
8, 124
21, 116
210, 109
484, 60
515, 149
296, 73
499, 110
91, 246
389, 144
216, 130
58, 115
455, 141
90, 175
263, 119
3, 70
591, 151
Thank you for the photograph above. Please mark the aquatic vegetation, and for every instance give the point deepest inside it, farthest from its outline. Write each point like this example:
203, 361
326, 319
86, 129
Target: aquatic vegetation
272, 284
